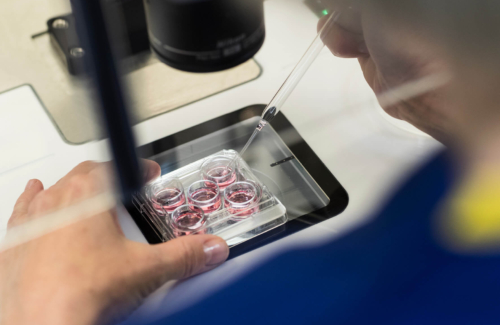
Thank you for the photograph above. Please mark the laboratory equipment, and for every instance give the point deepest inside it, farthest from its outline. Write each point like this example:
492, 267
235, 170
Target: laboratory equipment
205, 36
188, 219
304, 185
126, 22
240, 199
103, 71
246, 216
166, 194
293, 79
206, 195
216, 170
153, 87
240, 17
298, 72
199, 36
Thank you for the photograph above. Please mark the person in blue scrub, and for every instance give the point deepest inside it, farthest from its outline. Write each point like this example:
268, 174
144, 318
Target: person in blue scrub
431, 255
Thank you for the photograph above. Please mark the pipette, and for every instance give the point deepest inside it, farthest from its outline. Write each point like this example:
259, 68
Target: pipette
293, 79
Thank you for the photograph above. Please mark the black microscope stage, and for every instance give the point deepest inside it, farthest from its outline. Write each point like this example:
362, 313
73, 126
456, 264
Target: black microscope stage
279, 157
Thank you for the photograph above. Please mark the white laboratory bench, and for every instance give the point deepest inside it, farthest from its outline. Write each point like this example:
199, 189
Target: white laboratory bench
333, 109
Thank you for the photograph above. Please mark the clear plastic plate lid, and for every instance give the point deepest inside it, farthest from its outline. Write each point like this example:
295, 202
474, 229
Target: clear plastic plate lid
235, 225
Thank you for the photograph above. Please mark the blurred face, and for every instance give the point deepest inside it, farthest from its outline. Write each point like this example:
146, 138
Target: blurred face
397, 46
408, 45
405, 54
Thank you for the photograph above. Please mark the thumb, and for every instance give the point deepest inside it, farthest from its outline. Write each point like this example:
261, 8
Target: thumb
184, 257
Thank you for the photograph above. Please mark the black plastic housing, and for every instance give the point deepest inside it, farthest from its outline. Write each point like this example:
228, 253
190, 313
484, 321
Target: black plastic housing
205, 35
338, 197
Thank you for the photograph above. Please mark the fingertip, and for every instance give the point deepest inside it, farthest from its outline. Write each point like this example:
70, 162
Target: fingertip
31, 190
216, 251
34, 184
151, 169
186, 256
322, 22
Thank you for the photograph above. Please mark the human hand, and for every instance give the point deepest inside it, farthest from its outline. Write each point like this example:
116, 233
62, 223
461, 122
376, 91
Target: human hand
392, 53
88, 272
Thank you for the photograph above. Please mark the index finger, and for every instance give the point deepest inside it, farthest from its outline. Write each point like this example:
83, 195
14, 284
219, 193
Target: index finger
19, 214
150, 170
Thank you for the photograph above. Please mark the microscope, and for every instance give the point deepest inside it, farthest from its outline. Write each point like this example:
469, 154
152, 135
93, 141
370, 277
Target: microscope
205, 36
190, 35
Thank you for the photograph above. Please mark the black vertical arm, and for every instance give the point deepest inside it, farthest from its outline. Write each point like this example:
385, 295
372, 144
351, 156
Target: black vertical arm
94, 37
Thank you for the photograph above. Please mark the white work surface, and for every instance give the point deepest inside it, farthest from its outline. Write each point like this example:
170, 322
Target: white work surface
333, 109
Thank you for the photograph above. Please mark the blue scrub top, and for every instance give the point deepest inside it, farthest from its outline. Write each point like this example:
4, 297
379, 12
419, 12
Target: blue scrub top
391, 271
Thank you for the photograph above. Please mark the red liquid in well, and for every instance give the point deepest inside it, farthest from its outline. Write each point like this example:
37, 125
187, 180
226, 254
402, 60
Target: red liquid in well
223, 176
206, 194
168, 199
244, 199
188, 219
